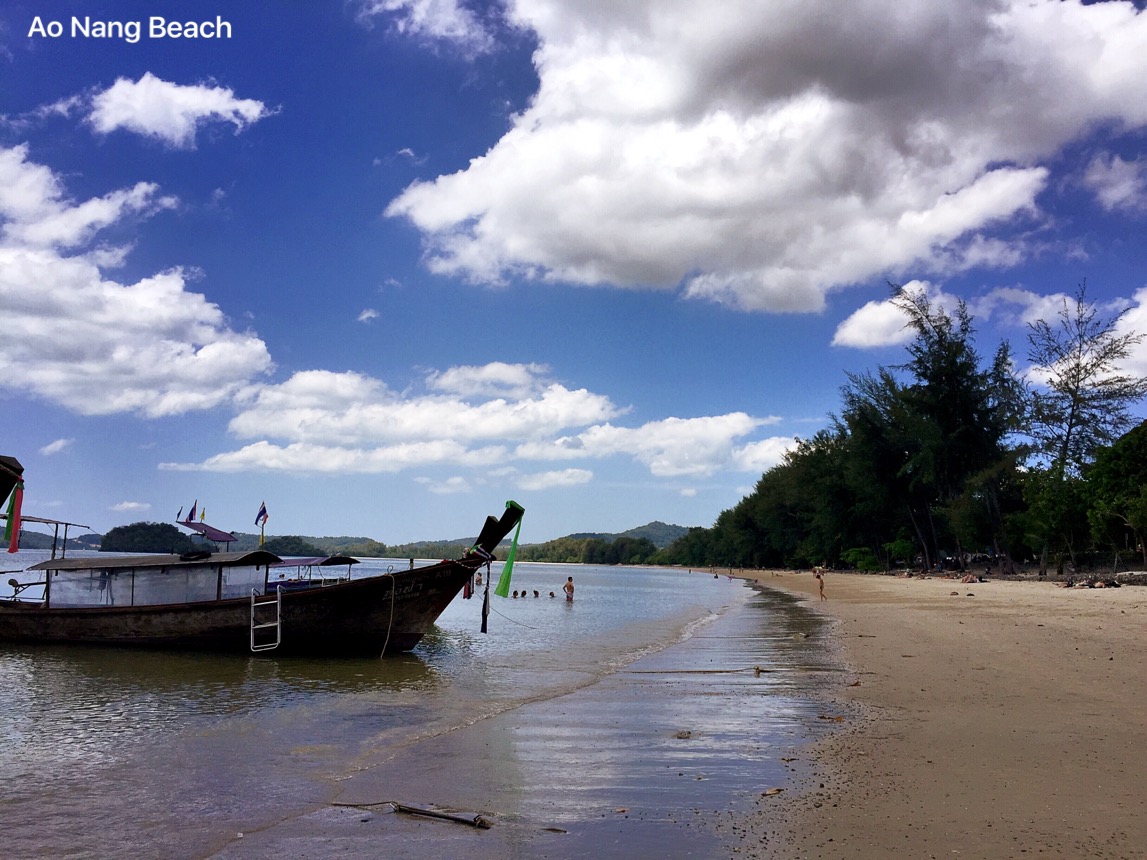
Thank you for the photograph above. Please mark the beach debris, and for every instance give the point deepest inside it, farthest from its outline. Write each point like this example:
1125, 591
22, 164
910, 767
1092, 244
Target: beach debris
954, 593
621, 809
970, 594
771, 791
854, 684
472, 820
788, 759
834, 719
683, 735
555, 830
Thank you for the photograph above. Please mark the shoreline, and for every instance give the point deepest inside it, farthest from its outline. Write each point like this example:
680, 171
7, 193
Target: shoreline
658, 758
985, 720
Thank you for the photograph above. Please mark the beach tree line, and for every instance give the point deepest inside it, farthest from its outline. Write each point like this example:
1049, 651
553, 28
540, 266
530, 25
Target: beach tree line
952, 457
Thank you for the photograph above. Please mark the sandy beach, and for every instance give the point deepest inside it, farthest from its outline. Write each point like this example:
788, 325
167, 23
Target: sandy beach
993, 720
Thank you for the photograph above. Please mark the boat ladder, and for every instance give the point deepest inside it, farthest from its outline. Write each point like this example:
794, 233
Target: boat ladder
261, 627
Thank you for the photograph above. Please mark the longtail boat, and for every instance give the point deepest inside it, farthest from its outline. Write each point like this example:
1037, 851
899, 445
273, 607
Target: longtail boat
230, 601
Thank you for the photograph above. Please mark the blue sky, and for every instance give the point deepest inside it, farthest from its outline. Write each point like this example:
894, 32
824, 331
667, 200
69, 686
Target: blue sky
385, 264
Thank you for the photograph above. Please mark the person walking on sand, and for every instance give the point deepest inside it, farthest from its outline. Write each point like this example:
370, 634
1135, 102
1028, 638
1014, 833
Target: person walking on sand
819, 574
568, 588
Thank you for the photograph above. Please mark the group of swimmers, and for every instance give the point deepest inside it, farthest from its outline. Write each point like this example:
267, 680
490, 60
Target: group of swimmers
568, 588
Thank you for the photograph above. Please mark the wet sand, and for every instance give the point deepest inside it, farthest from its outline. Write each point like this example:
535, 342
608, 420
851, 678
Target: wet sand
660, 759
993, 720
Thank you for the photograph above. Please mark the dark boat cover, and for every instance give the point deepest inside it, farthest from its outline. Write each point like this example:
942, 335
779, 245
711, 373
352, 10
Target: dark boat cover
10, 473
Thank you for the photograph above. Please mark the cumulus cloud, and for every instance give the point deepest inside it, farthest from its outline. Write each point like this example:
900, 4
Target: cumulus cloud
763, 455
670, 447
75, 337
36, 213
432, 20
171, 112
1118, 184
556, 478
367, 315
471, 416
763, 154
497, 379
882, 323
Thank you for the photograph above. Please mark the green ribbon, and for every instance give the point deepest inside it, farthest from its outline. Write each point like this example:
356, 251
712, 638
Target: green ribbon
503, 589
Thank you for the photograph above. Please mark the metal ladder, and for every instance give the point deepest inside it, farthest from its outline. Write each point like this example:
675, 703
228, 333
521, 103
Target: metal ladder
259, 601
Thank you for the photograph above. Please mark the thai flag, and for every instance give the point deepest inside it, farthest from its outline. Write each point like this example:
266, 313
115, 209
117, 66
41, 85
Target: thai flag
261, 517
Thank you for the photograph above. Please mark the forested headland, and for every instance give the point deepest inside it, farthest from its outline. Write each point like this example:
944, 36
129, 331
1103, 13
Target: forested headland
951, 459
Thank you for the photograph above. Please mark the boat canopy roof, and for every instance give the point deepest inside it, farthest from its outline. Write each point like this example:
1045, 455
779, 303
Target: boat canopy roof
210, 532
192, 559
47, 522
317, 561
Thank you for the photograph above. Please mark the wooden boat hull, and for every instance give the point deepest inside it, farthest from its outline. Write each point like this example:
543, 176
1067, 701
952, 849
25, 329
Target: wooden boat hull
360, 618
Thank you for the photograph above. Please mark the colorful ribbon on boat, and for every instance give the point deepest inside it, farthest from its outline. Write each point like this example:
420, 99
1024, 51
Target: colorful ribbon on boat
12, 529
503, 589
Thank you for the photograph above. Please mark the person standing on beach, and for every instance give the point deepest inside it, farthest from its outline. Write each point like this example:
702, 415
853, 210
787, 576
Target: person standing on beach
568, 588
819, 574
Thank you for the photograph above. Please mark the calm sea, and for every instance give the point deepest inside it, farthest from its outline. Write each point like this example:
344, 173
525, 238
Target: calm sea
119, 753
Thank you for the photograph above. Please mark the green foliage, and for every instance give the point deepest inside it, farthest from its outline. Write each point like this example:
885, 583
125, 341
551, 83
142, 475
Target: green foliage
583, 550
146, 537
287, 545
1117, 493
946, 455
862, 558
900, 551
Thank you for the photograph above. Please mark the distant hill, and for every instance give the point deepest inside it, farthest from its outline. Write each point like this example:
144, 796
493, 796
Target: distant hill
658, 533
38, 540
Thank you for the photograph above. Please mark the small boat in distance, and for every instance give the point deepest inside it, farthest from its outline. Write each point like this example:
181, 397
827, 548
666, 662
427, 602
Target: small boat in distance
232, 601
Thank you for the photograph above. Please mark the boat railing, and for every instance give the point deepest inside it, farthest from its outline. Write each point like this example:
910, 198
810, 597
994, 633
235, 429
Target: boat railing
18, 587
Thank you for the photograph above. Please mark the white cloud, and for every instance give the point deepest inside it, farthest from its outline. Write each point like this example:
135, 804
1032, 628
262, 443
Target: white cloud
670, 447
450, 486
131, 507
322, 421
56, 447
367, 315
882, 323
432, 20
1015, 306
1118, 184
762, 154
35, 211
325, 407
170, 112
497, 379
763, 455
1135, 321
303, 457
557, 478
75, 337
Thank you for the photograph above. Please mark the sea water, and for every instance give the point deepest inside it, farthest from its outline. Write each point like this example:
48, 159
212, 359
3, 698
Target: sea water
111, 752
